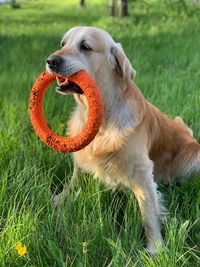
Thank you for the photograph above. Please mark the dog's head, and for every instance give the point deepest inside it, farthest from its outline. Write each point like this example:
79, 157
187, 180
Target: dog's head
92, 50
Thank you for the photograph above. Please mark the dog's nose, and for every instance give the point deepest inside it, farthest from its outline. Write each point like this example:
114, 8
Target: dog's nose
54, 62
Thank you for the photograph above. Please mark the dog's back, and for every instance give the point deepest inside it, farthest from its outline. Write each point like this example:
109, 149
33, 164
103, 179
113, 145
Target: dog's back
173, 149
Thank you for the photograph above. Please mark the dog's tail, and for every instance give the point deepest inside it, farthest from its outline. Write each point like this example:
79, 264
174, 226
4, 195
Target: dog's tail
187, 161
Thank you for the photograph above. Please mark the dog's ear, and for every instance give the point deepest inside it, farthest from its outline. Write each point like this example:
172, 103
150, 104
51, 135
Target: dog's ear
122, 64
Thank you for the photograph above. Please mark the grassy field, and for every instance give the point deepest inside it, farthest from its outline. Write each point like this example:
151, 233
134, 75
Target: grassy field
93, 226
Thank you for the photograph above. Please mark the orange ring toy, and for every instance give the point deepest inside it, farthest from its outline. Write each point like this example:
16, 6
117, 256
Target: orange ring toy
93, 123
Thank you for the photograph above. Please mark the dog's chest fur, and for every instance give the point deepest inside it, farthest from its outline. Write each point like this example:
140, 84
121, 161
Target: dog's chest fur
114, 153
112, 168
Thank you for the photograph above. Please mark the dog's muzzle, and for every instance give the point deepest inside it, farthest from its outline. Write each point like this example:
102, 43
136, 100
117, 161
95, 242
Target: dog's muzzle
58, 66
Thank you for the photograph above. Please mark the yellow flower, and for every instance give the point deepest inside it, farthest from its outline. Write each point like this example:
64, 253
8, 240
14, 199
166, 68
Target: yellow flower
85, 244
21, 250
62, 126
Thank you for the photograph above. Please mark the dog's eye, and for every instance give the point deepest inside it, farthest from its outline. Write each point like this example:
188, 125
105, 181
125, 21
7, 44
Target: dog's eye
62, 43
85, 47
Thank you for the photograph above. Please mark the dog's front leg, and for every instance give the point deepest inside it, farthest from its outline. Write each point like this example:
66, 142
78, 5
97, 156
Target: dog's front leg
147, 196
75, 176
69, 187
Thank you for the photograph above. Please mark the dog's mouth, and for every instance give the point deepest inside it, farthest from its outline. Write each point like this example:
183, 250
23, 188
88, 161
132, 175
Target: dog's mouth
64, 87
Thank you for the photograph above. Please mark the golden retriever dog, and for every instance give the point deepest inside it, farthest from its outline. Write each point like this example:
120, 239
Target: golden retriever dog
136, 143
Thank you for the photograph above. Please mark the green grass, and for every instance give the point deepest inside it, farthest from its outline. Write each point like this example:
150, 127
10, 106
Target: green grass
93, 226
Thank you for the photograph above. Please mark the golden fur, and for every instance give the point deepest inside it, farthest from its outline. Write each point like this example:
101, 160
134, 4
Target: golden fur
136, 142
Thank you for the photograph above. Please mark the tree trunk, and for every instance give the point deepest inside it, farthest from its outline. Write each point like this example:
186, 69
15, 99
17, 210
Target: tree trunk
14, 4
123, 8
82, 3
112, 8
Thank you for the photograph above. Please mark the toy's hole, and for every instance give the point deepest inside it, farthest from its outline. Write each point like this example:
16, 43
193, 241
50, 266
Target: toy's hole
57, 109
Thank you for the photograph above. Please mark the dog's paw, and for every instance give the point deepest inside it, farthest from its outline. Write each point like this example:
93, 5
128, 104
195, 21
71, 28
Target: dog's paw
153, 248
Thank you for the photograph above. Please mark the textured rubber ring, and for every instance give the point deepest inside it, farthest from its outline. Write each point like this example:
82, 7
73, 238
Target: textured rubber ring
92, 125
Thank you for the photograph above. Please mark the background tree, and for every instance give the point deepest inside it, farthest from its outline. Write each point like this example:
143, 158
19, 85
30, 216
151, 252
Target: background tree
112, 7
123, 8
14, 4
82, 3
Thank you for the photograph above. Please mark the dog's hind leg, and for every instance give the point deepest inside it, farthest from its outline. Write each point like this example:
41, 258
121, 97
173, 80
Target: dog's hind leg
149, 200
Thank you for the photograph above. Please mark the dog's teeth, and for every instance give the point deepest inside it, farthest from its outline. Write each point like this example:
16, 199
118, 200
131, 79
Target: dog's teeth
61, 81
58, 80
